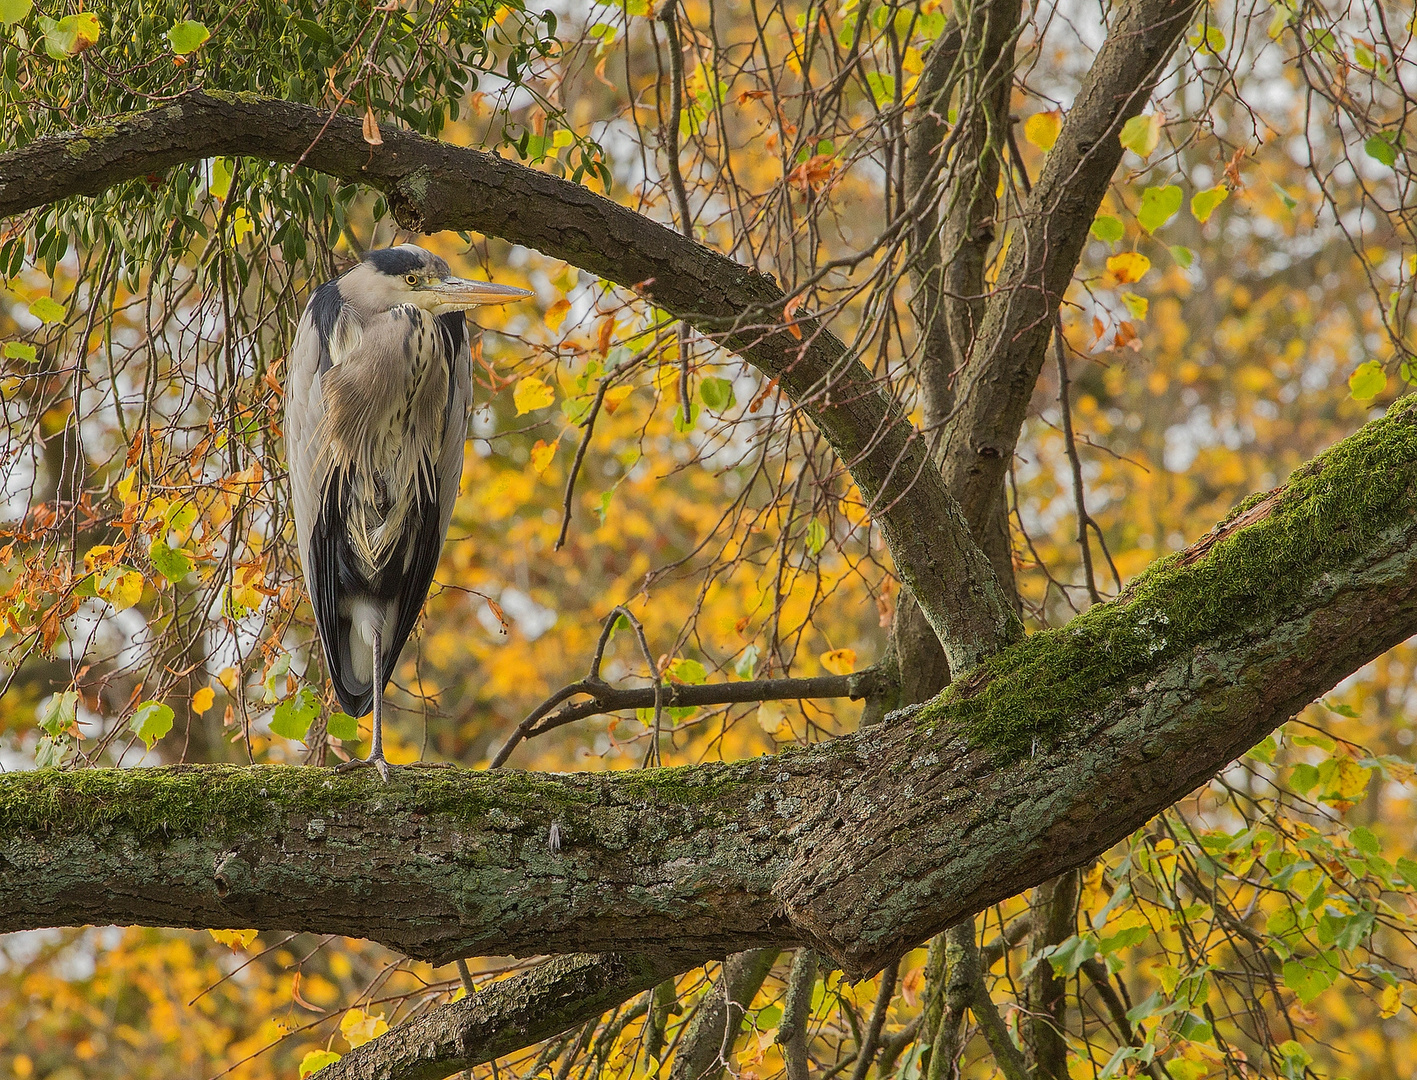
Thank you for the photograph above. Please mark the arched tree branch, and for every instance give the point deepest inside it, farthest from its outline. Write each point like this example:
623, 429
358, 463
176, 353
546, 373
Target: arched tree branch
433, 186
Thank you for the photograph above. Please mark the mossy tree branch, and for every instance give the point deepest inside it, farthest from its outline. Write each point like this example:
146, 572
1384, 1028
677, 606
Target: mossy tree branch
1040, 759
432, 186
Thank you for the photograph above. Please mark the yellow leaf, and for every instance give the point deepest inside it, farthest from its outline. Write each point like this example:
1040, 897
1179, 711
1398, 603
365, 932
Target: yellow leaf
232, 939
202, 700
316, 1060
541, 455
615, 396
771, 716
839, 661
1140, 134
241, 224
1129, 266
1391, 1001
532, 394
1137, 305
562, 138
556, 314
1041, 129
227, 676
222, 173
360, 1028
122, 590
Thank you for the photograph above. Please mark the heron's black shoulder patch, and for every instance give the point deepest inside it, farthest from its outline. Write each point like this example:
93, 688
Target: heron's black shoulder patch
325, 307
453, 327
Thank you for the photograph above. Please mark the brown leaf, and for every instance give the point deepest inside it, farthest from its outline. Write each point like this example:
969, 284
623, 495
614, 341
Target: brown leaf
371, 128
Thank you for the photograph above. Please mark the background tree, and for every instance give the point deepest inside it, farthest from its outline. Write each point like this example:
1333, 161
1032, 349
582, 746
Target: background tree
1020, 302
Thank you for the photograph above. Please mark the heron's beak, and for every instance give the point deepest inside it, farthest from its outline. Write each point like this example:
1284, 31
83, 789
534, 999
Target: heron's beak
455, 294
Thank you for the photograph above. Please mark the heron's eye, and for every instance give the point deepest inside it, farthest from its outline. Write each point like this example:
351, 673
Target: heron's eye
412, 279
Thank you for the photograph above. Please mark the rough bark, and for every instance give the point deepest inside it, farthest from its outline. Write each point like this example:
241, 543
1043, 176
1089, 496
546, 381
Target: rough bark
433, 186
1037, 761
503, 1017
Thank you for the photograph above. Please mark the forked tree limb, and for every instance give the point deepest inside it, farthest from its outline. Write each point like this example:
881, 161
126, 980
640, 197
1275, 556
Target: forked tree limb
1007, 354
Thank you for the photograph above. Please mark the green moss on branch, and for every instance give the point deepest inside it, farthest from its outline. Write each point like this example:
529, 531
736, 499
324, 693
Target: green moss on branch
1258, 562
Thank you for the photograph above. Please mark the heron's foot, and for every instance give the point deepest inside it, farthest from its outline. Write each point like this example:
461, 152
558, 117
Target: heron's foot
358, 763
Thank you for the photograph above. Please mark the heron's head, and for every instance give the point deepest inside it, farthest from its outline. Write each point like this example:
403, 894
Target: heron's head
407, 274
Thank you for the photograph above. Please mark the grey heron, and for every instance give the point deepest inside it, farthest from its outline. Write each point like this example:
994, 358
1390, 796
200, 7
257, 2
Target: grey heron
377, 400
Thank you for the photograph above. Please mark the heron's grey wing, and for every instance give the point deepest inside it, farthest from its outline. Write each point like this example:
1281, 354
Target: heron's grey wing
427, 526
311, 476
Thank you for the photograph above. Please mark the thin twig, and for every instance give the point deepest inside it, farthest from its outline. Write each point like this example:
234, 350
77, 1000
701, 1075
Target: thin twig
1084, 519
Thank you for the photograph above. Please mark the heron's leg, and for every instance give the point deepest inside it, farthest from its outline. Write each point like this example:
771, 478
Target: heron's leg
376, 747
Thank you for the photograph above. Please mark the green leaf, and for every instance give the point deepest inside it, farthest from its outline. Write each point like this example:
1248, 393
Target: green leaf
1289, 201
686, 670
50, 753
1203, 203
59, 712
1264, 751
1383, 147
816, 537
314, 31
1408, 869
1107, 228
151, 721
12, 11
1303, 778
18, 350
1308, 978
1195, 1029
1141, 134
882, 86
171, 564
1158, 206
1366, 841
1184, 256
342, 726
1367, 381
1068, 957
46, 310
747, 663
294, 715
679, 424
188, 36
717, 394
70, 35
1134, 935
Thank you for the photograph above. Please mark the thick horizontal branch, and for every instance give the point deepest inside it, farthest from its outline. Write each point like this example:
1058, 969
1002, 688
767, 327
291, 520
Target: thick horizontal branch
433, 186
861, 847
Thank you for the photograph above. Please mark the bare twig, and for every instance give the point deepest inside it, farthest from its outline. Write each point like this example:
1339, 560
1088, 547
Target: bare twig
1084, 519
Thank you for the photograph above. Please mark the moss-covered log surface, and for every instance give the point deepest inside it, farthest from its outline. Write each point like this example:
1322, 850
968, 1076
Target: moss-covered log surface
863, 846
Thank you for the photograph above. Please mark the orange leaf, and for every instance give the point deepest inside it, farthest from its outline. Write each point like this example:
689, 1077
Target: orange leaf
789, 316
